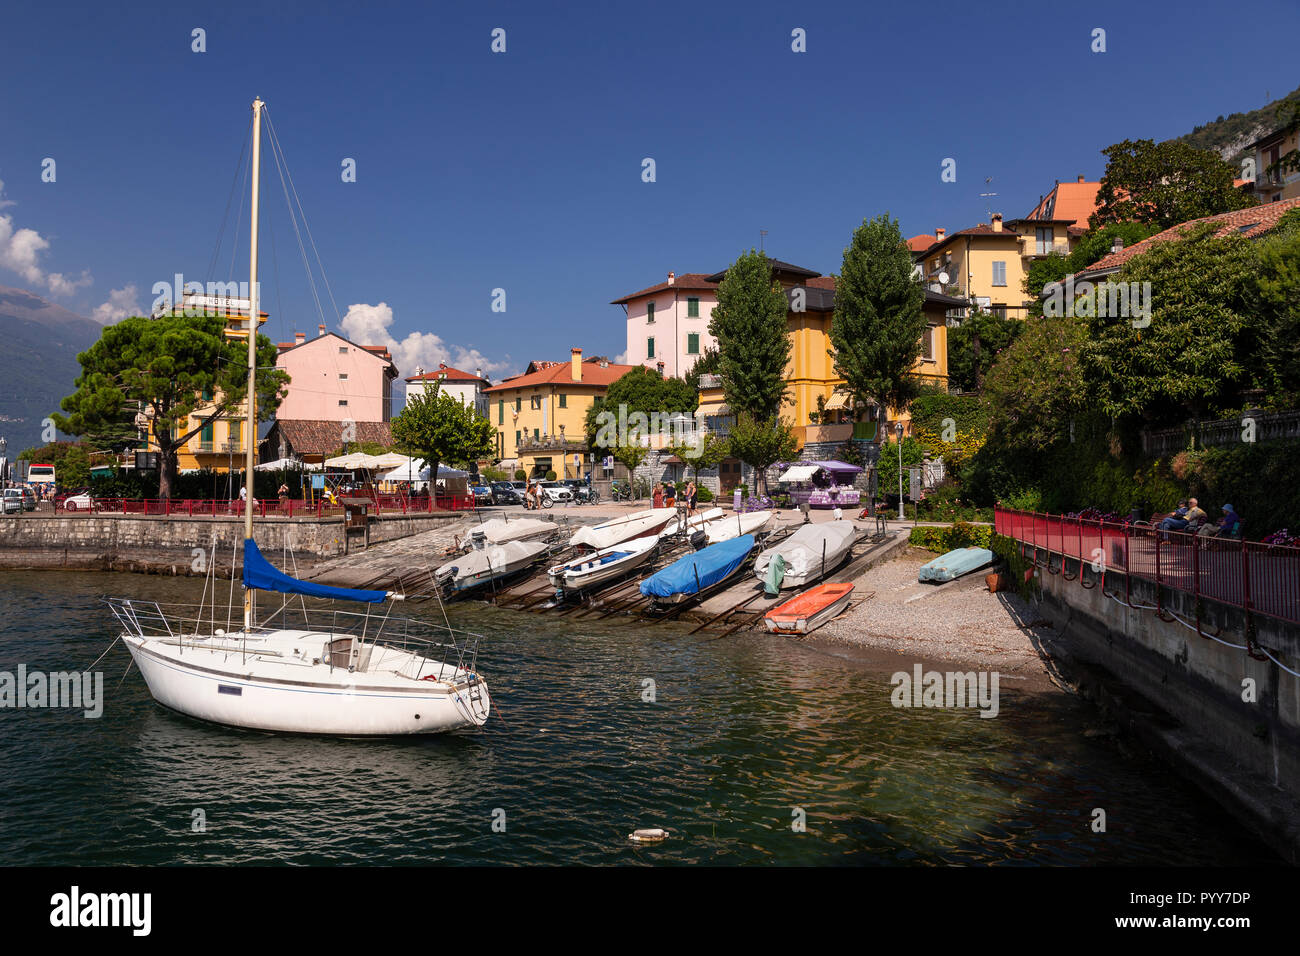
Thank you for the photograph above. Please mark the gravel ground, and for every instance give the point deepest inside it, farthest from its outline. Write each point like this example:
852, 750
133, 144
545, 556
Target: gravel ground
959, 621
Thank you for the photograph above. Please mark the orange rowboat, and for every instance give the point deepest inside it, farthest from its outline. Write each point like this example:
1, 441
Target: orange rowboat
806, 612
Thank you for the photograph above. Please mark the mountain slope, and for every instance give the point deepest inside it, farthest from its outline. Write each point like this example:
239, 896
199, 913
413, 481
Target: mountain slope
39, 342
1230, 135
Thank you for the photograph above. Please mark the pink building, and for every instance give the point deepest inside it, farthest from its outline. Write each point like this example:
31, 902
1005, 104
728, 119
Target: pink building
668, 324
336, 380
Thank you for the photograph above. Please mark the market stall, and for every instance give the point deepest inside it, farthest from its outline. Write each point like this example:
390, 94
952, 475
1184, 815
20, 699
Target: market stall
821, 484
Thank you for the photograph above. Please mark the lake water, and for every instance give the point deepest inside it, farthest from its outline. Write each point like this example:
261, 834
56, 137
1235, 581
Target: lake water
743, 731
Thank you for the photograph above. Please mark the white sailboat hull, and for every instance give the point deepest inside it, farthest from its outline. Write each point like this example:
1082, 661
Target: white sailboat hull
476, 568
626, 528
223, 687
733, 526
589, 571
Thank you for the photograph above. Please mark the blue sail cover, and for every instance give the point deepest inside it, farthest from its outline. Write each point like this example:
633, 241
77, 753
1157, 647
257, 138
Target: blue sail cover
258, 573
712, 565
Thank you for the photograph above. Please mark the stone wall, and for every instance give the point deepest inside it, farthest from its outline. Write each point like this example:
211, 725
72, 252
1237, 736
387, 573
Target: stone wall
167, 544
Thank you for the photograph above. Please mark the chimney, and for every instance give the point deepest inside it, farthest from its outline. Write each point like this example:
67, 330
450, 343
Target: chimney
322, 329
1117, 245
672, 277
996, 221
575, 364
299, 338
478, 372
939, 234
1081, 179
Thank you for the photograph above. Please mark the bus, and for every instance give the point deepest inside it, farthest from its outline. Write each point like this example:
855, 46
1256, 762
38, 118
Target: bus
38, 474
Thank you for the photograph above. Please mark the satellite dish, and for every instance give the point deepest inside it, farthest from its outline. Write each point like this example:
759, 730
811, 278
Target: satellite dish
943, 277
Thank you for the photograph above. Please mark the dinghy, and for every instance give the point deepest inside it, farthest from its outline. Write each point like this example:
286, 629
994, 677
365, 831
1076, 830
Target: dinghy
624, 528
955, 563
696, 573
501, 530
805, 556
806, 612
757, 523
605, 565
699, 522
484, 565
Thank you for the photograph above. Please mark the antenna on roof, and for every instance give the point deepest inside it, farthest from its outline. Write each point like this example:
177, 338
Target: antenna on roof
762, 234
987, 180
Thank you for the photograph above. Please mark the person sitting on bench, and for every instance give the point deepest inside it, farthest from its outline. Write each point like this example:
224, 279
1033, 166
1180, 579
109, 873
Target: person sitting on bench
1178, 520
1226, 527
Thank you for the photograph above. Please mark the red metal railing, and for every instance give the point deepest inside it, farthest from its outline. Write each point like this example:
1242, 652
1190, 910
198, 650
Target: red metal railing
269, 507
1258, 578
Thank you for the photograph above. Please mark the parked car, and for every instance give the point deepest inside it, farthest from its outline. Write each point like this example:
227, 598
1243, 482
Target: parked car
556, 491
78, 502
505, 493
12, 501
481, 492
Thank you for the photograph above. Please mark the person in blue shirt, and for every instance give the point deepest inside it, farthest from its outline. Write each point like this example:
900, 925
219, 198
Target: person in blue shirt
1178, 520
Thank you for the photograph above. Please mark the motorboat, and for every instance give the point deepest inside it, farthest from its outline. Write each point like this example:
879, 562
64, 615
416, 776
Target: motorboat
698, 572
501, 530
493, 562
623, 528
699, 522
605, 565
806, 612
757, 523
954, 564
806, 556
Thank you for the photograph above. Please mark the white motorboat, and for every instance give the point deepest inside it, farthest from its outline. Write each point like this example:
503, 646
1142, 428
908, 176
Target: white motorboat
319, 672
757, 523
806, 556
623, 528
487, 564
605, 565
501, 530
695, 523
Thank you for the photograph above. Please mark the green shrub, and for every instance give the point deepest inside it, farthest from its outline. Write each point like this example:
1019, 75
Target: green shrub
550, 476
943, 539
702, 493
521, 475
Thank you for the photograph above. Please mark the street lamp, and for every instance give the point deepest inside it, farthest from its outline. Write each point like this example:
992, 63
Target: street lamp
898, 427
4, 464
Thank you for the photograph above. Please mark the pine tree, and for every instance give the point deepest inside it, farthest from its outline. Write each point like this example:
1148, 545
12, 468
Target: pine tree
749, 323
878, 323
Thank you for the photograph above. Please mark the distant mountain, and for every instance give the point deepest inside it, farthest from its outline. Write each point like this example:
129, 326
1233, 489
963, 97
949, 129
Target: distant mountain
39, 342
1230, 135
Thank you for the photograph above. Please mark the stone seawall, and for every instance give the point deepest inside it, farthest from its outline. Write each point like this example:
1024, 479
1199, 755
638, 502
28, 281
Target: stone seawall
183, 545
1227, 720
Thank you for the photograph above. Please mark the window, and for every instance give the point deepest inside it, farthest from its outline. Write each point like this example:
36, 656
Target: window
207, 394
235, 432
999, 272
927, 343
693, 343
564, 401
649, 311
517, 436
343, 376
535, 403
693, 307
343, 402
501, 411
519, 402
205, 436
343, 350
537, 434
650, 347
1042, 240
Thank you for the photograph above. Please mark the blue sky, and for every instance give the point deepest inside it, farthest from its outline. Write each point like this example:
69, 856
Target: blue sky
522, 170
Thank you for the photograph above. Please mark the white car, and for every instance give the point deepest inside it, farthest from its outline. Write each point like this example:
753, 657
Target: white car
556, 491
81, 502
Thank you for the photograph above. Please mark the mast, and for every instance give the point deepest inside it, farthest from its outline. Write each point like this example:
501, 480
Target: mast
250, 427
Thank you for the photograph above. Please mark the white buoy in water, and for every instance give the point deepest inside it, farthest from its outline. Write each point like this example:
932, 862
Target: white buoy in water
653, 835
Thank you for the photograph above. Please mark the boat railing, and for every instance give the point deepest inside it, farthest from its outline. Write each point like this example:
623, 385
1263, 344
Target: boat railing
186, 625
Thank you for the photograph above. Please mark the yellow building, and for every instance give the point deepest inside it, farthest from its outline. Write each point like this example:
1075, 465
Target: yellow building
540, 416
985, 264
220, 444
1277, 185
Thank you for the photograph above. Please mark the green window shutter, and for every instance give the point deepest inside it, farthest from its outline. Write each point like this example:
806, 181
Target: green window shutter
517, 437
501, 411
650, 347
693, 344
693, 307
537, 434
564, 401
205, 436
649, 311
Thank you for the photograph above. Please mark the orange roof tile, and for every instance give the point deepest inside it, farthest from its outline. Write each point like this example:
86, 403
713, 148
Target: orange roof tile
559, 373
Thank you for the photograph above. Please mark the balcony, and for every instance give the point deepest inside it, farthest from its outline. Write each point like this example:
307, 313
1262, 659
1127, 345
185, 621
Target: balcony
840, 431
551, 443
1043, 249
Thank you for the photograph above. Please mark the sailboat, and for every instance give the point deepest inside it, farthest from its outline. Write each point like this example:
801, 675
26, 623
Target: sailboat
321, 671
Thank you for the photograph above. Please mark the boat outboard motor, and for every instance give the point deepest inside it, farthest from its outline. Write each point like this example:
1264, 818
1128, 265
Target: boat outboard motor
699, 539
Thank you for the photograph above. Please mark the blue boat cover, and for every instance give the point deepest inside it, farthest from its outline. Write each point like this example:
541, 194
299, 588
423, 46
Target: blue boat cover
258, 573
699, 569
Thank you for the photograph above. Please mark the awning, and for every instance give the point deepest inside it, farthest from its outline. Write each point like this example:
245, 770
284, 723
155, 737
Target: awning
799, 473
713, 408
840, 466
838, 400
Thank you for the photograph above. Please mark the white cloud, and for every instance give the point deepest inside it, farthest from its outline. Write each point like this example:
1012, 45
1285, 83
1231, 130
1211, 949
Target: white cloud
121, 303
20, 252
369, 324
